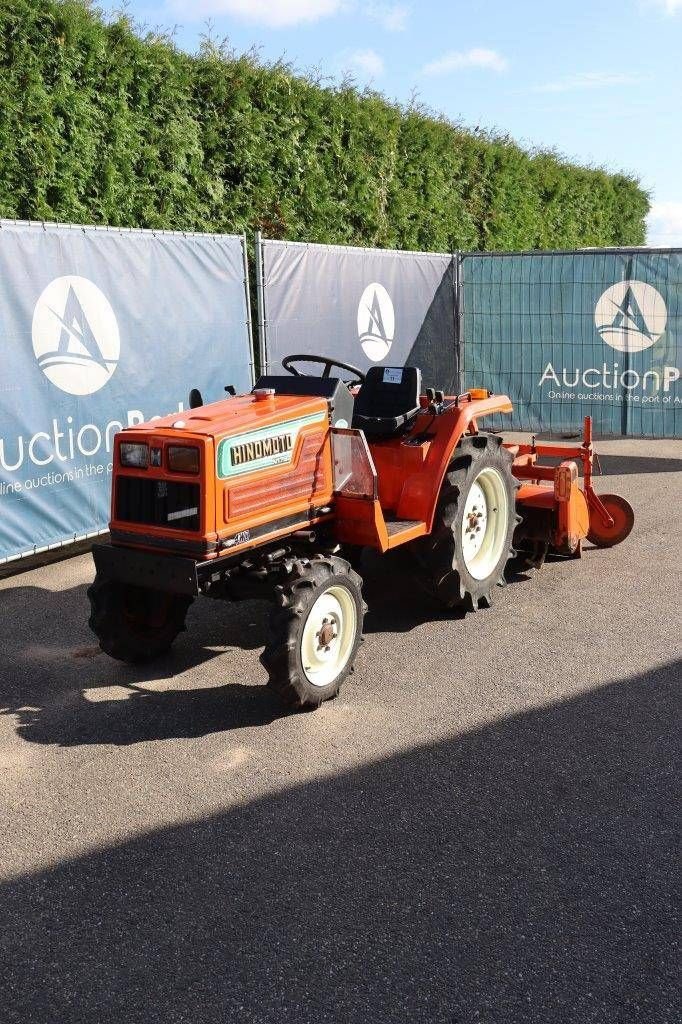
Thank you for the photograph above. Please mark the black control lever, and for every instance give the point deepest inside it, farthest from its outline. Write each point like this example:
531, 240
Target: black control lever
436, 399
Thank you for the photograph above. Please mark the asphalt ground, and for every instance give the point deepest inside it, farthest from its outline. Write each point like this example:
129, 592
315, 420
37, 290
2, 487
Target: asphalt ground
481, 828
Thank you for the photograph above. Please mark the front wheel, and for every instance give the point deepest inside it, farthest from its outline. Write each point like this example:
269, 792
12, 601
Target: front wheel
133, 623
316, 631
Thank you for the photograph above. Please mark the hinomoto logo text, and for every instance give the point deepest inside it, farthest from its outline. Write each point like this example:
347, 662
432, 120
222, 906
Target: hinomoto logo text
264, 448
253, 450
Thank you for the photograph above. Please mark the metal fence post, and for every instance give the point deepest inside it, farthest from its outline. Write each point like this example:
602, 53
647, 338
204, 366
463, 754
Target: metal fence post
260, 301
249, 319
457, 285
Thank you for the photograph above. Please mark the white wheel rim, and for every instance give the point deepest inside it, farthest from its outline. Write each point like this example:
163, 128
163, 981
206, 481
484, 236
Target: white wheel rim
328, 636
484, 524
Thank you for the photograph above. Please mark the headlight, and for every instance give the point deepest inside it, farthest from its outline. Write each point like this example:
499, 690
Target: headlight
135, 455
182, 459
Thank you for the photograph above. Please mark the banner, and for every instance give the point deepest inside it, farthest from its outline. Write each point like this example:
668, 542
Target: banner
567, 335
102, 329
363, 306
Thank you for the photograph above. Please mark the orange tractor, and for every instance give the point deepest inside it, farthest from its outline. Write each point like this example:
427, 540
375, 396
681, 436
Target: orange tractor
274, 493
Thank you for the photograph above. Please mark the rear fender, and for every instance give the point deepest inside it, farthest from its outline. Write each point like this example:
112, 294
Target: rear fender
419, 496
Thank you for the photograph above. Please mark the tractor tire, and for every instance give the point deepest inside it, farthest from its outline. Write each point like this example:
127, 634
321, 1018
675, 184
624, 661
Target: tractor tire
316, 631
463, 559
135, 624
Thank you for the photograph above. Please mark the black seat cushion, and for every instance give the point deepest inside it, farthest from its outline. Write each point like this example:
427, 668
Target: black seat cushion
388, 400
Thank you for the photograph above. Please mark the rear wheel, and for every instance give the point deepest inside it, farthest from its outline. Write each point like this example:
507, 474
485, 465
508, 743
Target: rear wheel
132, 623
464, 556
316, 631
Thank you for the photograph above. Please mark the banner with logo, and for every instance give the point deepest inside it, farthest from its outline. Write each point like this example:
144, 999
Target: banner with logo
102, 329
362, 306
572, 334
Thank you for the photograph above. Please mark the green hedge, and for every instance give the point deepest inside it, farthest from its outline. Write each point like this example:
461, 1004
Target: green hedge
99, 124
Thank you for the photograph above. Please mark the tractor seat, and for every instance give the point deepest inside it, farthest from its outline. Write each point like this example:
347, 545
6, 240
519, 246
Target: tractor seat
388, 400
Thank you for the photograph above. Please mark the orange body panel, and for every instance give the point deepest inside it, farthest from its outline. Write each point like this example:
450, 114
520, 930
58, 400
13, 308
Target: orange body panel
278, 489
308, 480
410, 474
566, 522
410, 471
360, 521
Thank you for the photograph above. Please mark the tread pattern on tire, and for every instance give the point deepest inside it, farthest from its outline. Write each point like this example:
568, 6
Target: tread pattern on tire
293, 600
116, 637
444, 574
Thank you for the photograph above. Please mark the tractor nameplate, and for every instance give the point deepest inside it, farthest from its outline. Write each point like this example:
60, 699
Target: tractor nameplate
253, 451
260, 449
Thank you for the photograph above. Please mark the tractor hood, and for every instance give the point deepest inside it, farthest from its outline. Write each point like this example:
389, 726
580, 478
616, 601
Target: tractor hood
223, 476
240, 415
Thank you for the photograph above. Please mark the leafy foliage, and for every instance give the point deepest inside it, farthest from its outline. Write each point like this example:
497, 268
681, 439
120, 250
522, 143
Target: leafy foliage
102, 123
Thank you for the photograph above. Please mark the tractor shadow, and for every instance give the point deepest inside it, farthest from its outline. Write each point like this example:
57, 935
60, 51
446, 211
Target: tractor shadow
63, 690
146, 715
396, 599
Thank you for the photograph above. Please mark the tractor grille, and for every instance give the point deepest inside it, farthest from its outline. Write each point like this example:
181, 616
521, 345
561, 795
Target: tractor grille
164, 503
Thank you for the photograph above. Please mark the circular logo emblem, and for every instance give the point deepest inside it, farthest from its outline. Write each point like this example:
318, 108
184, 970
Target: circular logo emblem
376, 322
630, 316
75, 335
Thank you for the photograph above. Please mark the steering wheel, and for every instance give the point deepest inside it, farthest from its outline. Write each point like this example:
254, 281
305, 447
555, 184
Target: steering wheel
325, 361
